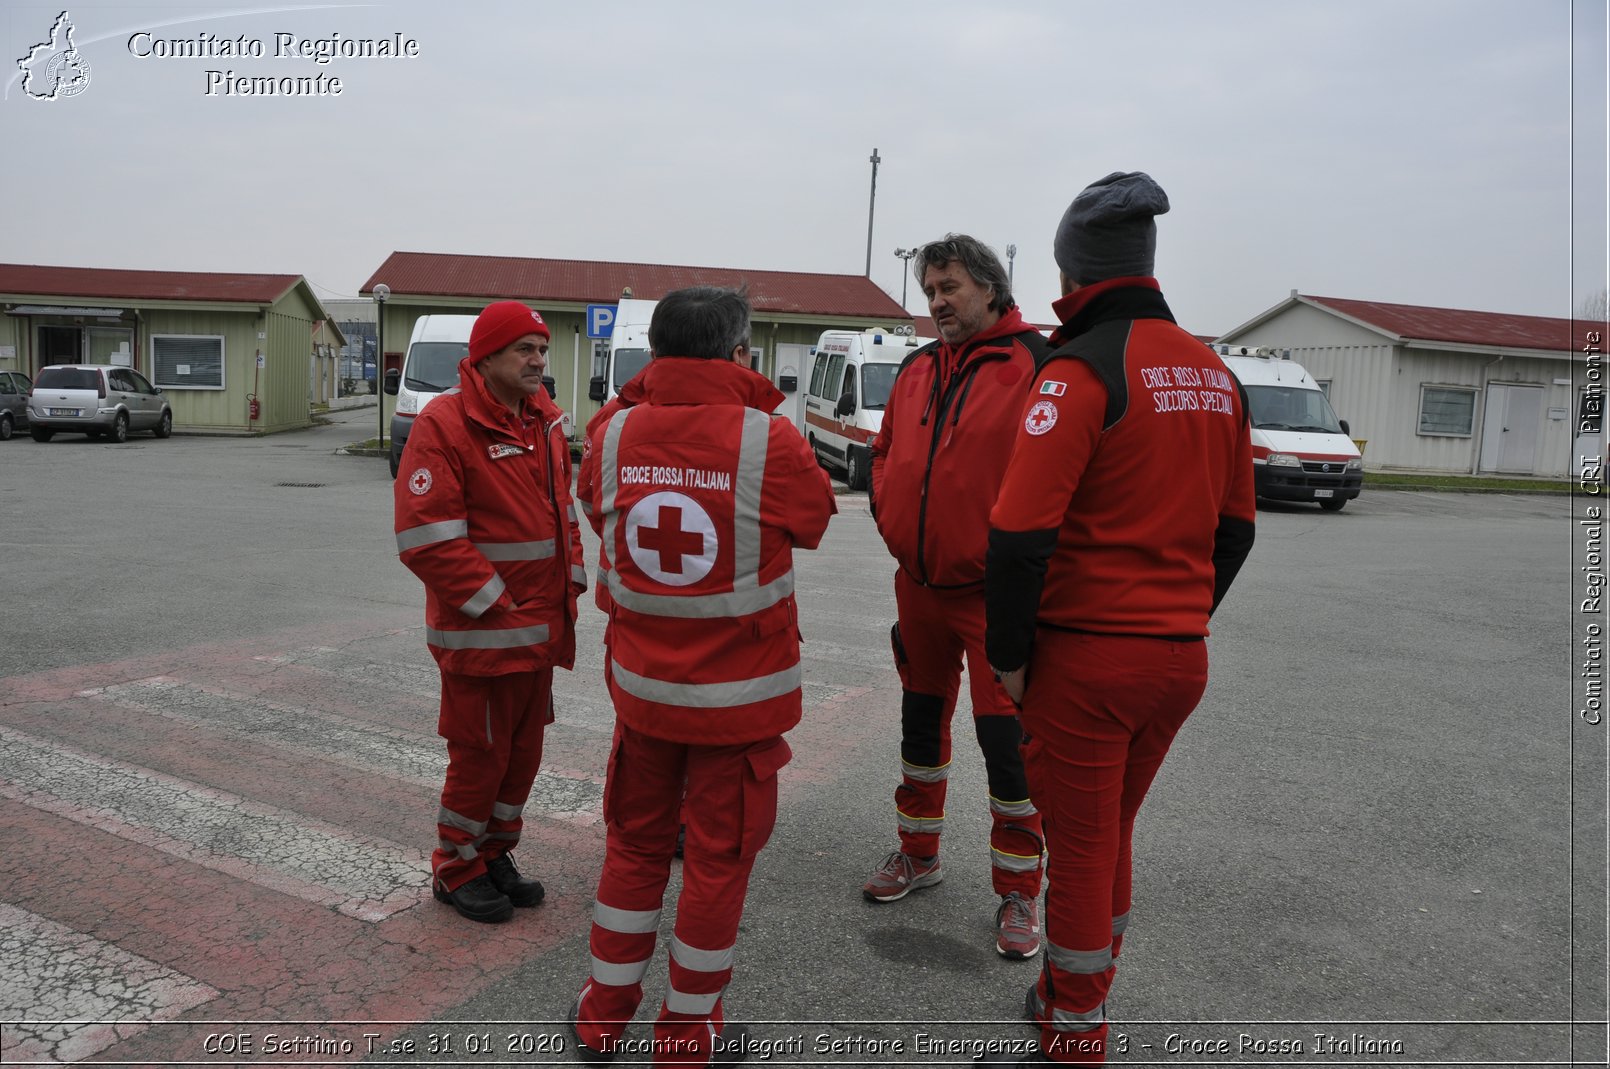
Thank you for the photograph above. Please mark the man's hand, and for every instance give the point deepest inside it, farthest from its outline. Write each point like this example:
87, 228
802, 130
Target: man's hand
1015, 683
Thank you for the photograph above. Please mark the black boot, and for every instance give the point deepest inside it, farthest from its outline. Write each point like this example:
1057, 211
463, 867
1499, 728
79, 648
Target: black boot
507, 879
477, 899
733, 1045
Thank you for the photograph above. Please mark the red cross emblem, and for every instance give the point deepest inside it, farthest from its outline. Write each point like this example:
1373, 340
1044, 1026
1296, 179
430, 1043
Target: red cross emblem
671, 538
1042, 417
670, 541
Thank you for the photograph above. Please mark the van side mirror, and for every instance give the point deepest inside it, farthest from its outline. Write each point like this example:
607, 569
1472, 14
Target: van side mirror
393, 377
1345, 428
595, 388
552, 388
846, 405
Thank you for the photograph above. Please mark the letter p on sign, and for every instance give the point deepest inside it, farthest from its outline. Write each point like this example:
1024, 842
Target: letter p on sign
600, 320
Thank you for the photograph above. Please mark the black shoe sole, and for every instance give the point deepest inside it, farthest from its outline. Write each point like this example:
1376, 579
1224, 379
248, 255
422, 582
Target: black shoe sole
494, 916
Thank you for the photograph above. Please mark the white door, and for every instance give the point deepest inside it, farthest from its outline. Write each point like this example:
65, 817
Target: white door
1511, 424
794, 361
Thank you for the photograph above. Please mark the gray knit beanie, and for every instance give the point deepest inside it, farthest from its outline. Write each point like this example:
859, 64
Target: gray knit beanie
1107, 232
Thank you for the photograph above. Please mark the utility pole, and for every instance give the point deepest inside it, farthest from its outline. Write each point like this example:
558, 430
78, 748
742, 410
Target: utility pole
870, 205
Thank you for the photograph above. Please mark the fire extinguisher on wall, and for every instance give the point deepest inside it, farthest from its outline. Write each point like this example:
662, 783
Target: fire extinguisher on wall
253, 406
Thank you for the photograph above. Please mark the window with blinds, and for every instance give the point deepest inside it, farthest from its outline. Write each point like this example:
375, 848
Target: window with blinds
188, 361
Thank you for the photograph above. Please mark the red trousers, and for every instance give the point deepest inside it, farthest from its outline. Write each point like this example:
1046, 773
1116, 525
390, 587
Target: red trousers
730, 806
493, 726
1099, 715
936, 630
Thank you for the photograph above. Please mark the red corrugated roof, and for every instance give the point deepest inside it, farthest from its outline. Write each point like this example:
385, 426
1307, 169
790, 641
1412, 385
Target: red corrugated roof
1498, 329
113, 284
601, 282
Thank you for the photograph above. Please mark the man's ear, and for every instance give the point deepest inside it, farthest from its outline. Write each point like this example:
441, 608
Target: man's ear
1068, 284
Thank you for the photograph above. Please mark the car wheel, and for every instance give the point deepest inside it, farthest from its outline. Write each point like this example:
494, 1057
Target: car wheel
1335, 504
41, 434
5, 427
855, 468
395, 460
164, 425
810, 440
120, 428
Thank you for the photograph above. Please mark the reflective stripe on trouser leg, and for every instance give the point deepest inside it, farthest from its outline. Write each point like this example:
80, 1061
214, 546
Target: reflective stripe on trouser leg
532, 694
925, 768
1016, 840
730, 809
642, 803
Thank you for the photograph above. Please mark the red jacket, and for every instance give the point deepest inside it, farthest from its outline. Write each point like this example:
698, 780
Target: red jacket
946, 436
629, 394
700, 498
1130, 493
484, 518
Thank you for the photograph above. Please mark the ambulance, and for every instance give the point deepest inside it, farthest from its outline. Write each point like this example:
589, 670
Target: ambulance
1300, 450
852, 375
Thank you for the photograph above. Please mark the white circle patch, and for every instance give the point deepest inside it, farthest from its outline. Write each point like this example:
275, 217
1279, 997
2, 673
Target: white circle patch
419, 481
1042, 417
671, 538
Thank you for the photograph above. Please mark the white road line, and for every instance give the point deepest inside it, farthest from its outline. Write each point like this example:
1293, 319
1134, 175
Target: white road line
362, 877
56, 974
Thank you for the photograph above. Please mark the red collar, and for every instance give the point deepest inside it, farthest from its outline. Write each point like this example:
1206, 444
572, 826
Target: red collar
686, 380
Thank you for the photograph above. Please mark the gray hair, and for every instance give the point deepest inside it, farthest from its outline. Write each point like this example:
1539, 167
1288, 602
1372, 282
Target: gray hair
976, 258
701, 321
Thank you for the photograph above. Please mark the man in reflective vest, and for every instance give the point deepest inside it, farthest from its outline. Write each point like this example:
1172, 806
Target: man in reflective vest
700, 497
484, 518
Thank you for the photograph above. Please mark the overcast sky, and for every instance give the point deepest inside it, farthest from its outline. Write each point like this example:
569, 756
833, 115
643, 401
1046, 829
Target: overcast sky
1415, 151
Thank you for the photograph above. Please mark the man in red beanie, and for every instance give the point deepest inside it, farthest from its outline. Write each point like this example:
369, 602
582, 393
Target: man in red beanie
700, 496
484, 518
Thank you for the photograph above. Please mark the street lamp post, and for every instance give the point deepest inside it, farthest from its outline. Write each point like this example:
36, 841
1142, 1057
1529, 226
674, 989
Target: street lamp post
1011, 254
905, 273
381, 292
872, 202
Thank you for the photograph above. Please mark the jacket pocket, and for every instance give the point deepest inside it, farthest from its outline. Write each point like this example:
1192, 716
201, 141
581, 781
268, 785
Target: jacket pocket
763, 762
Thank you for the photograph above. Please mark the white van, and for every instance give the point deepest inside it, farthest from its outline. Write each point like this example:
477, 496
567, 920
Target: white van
1300, 450
429, 369
627, 353
852, 375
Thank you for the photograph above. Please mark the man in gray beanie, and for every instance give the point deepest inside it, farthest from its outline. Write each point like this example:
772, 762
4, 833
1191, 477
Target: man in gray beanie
1097, 597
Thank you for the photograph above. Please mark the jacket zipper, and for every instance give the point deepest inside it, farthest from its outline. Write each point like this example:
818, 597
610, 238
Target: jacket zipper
964, 374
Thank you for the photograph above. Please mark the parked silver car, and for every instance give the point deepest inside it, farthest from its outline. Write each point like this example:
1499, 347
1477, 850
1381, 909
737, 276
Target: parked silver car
96, 399
14, 389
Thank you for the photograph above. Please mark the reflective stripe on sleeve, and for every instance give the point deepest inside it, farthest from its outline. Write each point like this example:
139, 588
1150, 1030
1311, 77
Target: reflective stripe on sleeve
619, 974
626, 921
700, 960
1119, 923
430, 533
707, 695
505, 639
1084, 962
923, 774
578, 574
484, 598
516, 550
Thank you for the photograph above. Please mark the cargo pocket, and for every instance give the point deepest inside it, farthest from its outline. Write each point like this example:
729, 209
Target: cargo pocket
465, 718
760, 794
901, 662
612, 774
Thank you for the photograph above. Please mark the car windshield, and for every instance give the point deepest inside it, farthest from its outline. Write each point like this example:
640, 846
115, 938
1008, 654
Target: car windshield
627, 363
68, 378
877, 381
433, 365
1288, 408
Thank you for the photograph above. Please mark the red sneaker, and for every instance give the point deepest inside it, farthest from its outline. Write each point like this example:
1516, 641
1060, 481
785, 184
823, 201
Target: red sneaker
1017, 928
899, 875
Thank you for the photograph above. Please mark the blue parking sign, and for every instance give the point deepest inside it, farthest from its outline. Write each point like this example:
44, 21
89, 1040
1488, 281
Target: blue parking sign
600, 320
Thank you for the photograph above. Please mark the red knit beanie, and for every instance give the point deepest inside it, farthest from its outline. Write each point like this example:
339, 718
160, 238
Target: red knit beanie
502, 324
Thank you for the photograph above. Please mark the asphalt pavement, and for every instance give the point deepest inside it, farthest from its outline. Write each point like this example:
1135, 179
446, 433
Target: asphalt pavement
1380, 839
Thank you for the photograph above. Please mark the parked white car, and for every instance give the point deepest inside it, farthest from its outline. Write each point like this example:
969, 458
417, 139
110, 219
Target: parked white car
98, 400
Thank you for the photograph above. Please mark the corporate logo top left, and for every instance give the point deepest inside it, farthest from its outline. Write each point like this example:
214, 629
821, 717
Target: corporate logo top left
54, 69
